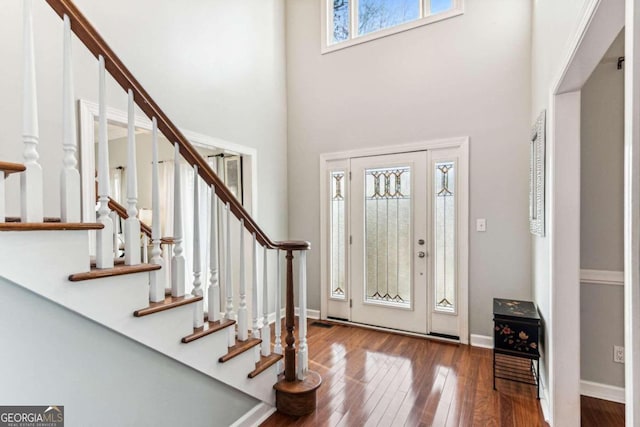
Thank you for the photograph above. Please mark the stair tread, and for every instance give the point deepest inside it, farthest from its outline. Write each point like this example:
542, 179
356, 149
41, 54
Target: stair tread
207, 329
9, 167
45, 226
168, 303
239, 348
265, 363
117, 270
18, 219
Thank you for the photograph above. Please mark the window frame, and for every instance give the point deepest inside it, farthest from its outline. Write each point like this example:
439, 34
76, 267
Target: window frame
326, 27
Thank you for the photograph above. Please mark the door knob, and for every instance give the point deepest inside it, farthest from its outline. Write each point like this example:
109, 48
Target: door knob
421, 254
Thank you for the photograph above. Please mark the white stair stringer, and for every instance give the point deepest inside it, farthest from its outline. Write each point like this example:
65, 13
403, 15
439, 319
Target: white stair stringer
54, 255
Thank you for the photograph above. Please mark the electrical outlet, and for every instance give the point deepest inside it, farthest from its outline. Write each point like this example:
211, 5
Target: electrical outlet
481, 224
618, 354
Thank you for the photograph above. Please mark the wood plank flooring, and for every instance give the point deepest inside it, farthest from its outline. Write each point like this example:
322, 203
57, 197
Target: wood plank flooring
373, 378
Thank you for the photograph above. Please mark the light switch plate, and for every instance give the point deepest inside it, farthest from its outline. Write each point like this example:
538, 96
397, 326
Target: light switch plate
481, 224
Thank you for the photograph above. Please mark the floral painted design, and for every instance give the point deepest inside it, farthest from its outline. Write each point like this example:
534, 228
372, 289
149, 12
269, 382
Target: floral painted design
513, 339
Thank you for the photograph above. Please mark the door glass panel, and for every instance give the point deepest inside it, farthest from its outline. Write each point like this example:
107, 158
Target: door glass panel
388, 236
338, 238
444, 236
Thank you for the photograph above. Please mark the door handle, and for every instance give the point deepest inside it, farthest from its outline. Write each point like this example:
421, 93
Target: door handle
421, 254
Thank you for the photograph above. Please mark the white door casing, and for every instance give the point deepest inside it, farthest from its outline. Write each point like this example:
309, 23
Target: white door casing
338, 308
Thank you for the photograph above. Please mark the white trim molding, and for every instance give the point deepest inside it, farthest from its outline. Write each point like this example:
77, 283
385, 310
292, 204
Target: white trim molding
424, 19
88, 114
602, 391
256, 416
482, 341
602, 277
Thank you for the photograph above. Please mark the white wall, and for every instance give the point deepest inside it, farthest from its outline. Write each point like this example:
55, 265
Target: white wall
101, 377
215, 67
553, 26
602, 218
466, 76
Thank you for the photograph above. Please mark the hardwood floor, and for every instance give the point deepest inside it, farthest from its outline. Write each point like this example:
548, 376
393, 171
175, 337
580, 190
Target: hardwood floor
597, 412
373, 378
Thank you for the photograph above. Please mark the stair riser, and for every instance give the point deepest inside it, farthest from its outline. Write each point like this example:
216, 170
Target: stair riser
55, 252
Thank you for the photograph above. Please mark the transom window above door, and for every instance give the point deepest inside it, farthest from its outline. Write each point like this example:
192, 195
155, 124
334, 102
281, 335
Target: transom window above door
349, 22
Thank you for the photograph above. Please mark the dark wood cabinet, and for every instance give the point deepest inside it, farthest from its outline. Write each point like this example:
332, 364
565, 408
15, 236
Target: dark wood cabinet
516, 333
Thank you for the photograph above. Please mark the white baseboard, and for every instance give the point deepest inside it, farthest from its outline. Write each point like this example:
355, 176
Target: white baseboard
602, 391
256, 416
482, 341
311, 314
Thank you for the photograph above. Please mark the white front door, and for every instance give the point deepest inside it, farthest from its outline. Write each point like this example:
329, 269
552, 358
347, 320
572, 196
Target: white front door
389, 234
397, 239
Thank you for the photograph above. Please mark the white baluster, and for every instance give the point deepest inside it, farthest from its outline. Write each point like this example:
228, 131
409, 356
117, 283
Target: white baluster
104, 237
145, 249
243, 327
115, 219
31, 207
254, 291
277, 349
177, 262
69, 177
3, 213
303, 356
229, 314
132, 223
214, 285
278, 325
266, 330
157, 280
198, 313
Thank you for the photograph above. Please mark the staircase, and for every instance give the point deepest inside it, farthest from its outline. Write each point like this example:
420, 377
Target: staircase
131, 295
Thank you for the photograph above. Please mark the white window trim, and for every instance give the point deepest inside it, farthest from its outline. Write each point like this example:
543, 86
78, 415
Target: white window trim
326, 17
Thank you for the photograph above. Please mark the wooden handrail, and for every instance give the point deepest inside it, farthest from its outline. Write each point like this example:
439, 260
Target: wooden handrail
98, 47
121, 211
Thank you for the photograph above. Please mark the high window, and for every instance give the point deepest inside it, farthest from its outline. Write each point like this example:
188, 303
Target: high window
348, 22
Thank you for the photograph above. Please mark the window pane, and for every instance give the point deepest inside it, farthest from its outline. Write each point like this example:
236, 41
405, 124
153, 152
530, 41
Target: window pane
340, 20
439, 6
374, 15
445, 236
338, 242
388, 235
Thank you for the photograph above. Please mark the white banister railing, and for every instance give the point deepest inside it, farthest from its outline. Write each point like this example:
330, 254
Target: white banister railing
303, 356
243, 326
214, 285
31, 208
69, 177
104, 237
198, 313
132, 223
177, 262
265, 333
157, 279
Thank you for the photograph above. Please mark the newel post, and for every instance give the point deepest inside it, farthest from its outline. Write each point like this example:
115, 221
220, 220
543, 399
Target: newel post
296, 391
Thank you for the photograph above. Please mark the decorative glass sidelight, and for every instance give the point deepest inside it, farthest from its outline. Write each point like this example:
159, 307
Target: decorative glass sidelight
388, 236
445, 237
338, 234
